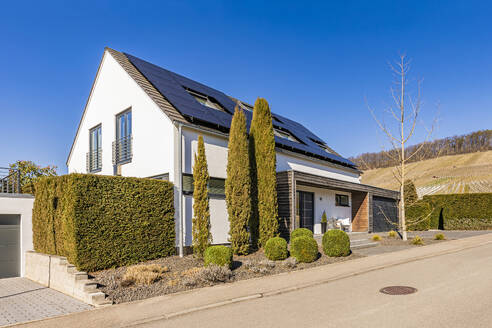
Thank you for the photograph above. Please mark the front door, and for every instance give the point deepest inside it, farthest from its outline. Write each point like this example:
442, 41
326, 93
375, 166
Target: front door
305, 209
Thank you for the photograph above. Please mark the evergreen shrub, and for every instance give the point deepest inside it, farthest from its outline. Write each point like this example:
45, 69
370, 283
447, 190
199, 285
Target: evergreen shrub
219, 255
263, 161
336, 243
472, 211
202, 237
99, 222
304, 249
276, 249
301, 232
238, 185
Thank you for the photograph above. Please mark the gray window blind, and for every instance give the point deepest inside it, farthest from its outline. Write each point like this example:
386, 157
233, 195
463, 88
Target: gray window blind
216, 186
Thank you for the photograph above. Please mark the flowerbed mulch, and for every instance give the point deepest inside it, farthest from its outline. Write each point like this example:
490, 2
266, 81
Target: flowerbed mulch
181, 270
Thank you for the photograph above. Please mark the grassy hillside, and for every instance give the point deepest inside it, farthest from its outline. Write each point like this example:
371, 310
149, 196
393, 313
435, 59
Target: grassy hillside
442, 175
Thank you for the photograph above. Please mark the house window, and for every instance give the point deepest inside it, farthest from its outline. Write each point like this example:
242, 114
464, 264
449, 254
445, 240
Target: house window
216, 186
206, 100
341, 200
94, 162
284, 134
122, 146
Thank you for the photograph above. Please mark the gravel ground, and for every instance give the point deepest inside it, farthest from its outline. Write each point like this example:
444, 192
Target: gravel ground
181, 270
244, 267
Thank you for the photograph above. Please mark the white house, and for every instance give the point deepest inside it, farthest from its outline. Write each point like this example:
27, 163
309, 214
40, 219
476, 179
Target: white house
144, 121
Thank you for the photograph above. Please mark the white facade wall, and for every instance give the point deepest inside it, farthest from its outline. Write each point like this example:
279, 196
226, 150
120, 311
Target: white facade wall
287, 162
216, 152
115, 91
20, 205
324, 200
155, 145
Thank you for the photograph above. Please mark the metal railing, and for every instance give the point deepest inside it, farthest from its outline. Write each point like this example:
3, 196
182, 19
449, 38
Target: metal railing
94, 160
10, 181
122, 150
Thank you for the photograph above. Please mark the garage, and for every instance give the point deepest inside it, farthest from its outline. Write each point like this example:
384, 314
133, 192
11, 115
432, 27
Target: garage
385, 214
15, 233
10, 246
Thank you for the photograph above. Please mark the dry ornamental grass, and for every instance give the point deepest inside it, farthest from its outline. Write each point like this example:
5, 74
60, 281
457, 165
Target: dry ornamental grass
376, 238
144, 274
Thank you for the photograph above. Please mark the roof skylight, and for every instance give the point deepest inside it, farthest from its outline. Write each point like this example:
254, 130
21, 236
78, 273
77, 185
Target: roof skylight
245, 106
284, 134
205, 100
323, 146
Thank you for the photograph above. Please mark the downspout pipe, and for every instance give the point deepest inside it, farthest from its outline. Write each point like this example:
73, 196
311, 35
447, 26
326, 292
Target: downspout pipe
180, 192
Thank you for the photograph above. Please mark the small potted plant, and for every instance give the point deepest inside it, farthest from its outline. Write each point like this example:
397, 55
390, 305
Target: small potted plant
324, 222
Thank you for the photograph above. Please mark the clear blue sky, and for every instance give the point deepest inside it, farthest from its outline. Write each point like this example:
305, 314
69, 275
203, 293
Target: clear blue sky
314, 62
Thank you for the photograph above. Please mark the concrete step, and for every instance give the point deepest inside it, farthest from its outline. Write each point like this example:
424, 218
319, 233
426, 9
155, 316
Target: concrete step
87, 285
105, 303
99, 299
81, 275
71, 268
63, 261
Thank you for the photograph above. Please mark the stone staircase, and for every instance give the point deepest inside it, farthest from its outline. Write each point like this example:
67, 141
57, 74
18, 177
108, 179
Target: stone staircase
55, 272
361, 243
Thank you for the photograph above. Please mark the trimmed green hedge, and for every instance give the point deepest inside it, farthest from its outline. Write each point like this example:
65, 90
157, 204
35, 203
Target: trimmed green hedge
418, 216
336, 243
220, 255
99, 222
472, 211
276, 249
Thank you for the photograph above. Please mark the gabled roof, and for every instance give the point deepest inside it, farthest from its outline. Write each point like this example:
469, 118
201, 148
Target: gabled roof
169, 91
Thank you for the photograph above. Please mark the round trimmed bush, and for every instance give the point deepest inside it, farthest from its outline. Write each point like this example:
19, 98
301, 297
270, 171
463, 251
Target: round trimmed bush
276, 249
304, 249
336, 243
219, 255
300, 232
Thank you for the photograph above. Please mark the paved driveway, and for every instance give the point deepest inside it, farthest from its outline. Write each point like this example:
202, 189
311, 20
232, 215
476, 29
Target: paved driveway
24, 300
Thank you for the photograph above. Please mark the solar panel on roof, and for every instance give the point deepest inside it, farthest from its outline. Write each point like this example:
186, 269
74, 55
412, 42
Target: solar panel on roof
172, 87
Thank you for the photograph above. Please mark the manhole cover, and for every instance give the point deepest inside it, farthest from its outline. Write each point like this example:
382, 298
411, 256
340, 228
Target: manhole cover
398, 290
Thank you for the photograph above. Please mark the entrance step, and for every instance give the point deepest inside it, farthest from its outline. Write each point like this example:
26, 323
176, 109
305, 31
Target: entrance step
358, 243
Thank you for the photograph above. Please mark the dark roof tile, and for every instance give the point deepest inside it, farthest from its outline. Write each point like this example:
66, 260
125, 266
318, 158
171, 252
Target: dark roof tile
173, 87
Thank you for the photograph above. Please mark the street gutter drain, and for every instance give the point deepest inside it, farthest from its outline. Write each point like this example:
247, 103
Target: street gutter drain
398, 290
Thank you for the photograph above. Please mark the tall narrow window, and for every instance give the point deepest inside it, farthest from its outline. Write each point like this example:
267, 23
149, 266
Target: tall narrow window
94, 162
122, 146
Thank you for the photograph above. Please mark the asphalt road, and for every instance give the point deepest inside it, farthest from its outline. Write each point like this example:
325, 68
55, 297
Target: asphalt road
454, 290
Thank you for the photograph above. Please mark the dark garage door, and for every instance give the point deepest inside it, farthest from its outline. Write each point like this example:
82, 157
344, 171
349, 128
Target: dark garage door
384, 214
9, 246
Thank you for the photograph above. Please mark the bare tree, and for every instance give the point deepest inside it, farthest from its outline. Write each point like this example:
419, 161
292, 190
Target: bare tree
405, 111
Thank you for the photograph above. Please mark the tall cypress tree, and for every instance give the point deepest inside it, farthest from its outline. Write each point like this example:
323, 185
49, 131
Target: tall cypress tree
264, 178
238, 184
201, 212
